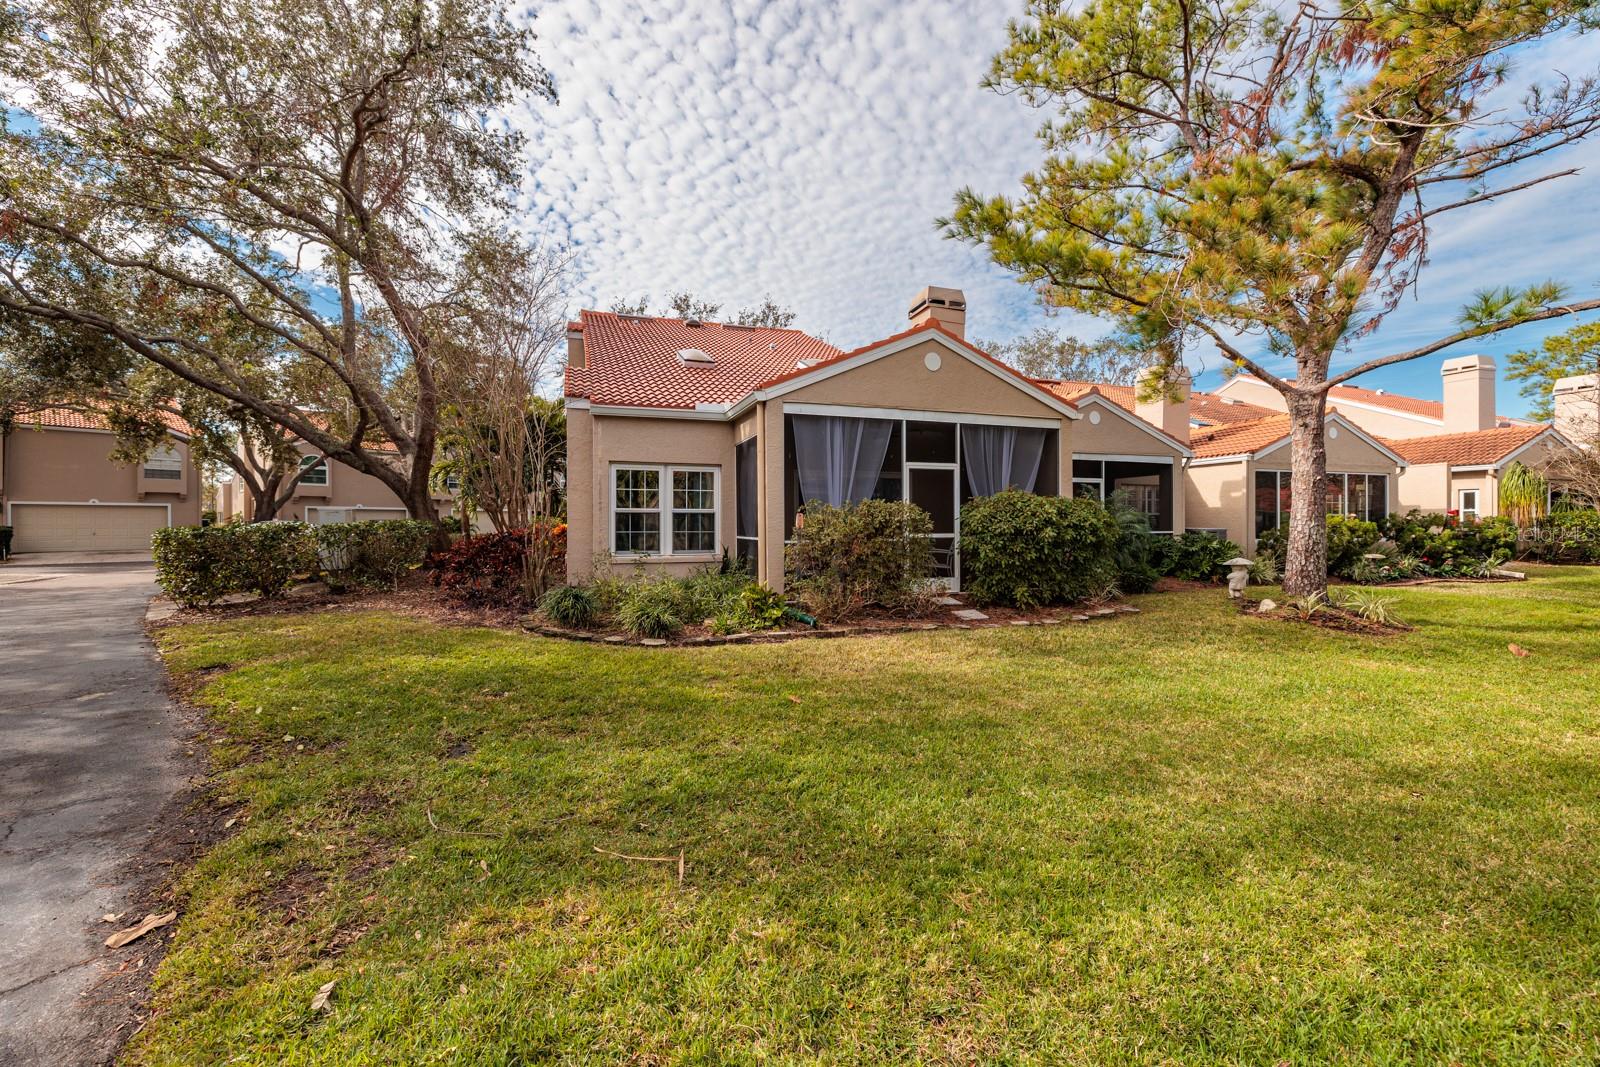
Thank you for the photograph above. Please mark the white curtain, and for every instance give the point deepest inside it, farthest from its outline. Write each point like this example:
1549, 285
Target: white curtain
839, 459
1000, 457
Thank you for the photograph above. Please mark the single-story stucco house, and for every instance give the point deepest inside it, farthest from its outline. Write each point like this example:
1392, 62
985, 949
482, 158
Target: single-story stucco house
1239, 480
1457, 448
62, 492
688, 438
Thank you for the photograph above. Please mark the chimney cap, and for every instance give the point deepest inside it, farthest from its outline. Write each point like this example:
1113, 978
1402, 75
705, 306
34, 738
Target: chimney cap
1460, 363
939, 296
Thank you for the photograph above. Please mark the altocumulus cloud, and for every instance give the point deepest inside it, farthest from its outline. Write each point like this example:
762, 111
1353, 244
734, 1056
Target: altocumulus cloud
739, 148
803, 148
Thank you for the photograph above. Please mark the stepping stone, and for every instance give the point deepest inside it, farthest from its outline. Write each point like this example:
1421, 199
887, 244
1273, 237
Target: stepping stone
1048, 622
615, 639
653, 642
969, 615
1129, 608
1020, 622
1080, 618
1104, 611
947, 601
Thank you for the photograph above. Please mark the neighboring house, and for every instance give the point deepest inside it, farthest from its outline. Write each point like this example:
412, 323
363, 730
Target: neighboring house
63, 493
1455, 449
1238, 482
686, 439
1134, 448
329, 491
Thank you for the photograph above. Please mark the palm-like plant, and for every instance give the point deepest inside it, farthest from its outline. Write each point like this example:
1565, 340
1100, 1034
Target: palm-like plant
1524, 494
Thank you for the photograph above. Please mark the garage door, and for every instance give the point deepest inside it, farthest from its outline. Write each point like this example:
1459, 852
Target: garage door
321, 513
85, 527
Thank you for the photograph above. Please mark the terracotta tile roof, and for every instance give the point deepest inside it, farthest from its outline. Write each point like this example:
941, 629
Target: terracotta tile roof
1212, 409
1478, 447
78, 419
1121, 395
1238, 438
1410, 405
633, 360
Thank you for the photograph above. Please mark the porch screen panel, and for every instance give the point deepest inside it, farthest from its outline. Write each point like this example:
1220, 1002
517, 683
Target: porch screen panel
1377, 497
745, 522
999, 457
838, 460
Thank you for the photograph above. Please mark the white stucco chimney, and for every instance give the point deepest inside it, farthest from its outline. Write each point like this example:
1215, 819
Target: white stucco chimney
1168, 411
1577, 407
1468, 393
947, 307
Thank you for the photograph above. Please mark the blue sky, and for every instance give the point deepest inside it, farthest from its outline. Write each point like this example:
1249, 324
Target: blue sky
738, 148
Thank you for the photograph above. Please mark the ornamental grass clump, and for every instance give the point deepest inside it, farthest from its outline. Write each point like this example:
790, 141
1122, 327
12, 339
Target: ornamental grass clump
573, 606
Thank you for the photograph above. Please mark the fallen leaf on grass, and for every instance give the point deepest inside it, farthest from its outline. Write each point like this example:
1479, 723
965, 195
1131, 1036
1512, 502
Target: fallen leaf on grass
793, 699
1517, 650
324, 993
133, 933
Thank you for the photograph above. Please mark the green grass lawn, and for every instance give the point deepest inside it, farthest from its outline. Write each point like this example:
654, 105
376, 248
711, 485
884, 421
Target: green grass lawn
1181, 836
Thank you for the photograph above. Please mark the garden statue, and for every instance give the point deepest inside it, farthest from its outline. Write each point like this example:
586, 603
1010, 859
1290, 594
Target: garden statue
1238, 575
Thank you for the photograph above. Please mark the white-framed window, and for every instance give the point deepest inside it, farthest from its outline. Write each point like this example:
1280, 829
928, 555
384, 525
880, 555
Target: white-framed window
664, 511
164, 464
1467, 503
316, 471
1145, 498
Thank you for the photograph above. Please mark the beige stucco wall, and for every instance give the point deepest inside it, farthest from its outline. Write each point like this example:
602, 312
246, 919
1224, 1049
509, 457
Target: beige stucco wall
1252, 391
71, 466
1423, 487
903, 381
607, 440
1218, 497
1347, 454
1115, 435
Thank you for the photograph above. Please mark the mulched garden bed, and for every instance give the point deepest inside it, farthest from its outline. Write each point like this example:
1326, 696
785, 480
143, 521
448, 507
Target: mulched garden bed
417, 598
870, 625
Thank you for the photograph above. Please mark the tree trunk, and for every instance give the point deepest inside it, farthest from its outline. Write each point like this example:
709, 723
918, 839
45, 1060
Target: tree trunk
419, 503
1306, 569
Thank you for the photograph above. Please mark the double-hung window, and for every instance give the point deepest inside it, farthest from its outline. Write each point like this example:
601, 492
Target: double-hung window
664, 511
1468, 506
316, 471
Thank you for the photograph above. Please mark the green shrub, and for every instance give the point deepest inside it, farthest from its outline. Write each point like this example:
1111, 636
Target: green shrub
875, 553
202, 564
1133, 556
571, 605
652, 609
710, 592
1348, 541
268, 555
1029, 551
754, 608
373, 554
1195, 556
194, 564
1569, 535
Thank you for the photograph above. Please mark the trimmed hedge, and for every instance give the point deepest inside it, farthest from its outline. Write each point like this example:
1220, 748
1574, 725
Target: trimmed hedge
1030, 551
202, 564
1195, 556
375, 555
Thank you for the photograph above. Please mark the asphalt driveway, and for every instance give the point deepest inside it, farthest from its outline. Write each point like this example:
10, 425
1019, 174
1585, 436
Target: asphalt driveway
90, 751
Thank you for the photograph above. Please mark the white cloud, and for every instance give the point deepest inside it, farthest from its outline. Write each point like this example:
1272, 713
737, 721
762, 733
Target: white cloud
738, 148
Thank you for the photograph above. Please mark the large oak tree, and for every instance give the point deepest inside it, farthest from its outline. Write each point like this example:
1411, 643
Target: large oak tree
319, 172
1264, 179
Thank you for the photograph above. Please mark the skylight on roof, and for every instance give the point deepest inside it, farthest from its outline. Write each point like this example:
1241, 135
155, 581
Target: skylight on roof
694, 356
